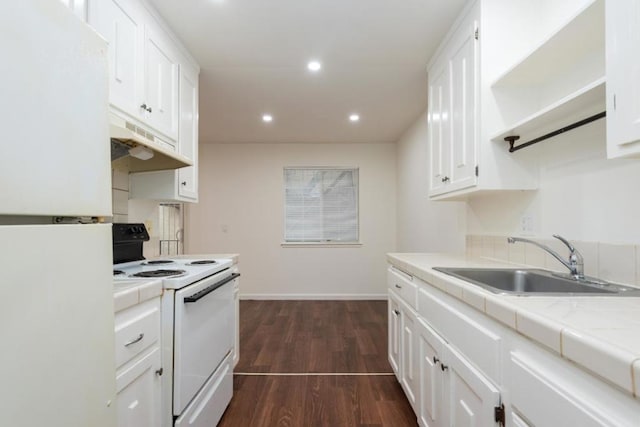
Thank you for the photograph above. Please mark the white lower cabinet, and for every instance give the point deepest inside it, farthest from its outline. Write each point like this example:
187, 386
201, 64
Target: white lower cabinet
459, 367
430, 346
394, 334
452, 391
139, 365
409, 354
138, 390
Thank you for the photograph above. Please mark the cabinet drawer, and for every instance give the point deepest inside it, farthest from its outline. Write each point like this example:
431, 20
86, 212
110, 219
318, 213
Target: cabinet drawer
403, 285
469, 336
136, 329
553, 403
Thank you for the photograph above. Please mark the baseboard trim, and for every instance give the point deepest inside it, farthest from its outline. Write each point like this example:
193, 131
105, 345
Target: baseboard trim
313, 296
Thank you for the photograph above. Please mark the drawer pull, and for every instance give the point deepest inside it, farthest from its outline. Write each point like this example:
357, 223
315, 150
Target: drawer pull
135, 340
398, 286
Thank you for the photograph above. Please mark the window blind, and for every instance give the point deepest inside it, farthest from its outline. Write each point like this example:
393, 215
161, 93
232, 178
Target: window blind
321, 205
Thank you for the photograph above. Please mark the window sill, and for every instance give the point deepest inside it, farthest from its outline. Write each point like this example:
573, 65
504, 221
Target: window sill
320, 244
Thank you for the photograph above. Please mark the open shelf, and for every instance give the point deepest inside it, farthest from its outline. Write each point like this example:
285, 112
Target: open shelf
590, 97
578, 38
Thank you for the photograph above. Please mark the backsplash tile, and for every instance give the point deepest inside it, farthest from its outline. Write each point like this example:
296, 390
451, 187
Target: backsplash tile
120, 202
617, 263
119, 180
487, 246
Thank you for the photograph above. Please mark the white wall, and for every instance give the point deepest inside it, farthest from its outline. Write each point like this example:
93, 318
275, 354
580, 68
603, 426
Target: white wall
241, 210
582, 195
423, 225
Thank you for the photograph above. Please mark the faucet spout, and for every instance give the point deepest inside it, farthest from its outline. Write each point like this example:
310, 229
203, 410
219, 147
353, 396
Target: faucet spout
575, 263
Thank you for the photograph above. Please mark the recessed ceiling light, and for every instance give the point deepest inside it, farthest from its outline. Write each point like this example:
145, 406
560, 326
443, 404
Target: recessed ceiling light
314, 66
267, 118
354, 117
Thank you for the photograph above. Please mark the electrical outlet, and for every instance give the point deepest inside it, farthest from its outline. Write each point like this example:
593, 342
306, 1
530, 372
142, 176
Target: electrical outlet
526, 223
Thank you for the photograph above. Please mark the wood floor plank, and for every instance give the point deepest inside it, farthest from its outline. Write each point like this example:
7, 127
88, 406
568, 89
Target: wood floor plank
315, 337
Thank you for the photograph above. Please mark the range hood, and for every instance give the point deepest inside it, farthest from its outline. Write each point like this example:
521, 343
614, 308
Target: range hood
142, 150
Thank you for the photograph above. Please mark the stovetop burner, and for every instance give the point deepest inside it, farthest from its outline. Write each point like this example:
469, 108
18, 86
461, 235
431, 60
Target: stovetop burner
118, 272
203, 262
159, 273
158, 262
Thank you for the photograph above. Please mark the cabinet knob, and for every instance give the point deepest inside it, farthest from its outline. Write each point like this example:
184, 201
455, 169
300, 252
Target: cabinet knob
396, 312
443, 367
184, 183
435, 360
159, 372
445, 179
398, 286
146, 107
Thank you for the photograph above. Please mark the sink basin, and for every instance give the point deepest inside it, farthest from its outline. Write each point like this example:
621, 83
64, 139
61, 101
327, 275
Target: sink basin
535, 282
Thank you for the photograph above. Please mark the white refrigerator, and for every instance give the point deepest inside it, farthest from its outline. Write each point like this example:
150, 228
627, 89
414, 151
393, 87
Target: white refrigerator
56, 300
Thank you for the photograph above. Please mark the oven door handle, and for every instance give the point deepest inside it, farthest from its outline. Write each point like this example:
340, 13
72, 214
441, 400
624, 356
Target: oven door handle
200, 294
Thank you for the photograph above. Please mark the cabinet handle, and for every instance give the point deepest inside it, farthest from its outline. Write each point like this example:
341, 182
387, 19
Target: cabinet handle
149, 110
159, 372
435, 360
443, 367
396, 312
398, 286
445, 179
146, 107
135, 340
184, 183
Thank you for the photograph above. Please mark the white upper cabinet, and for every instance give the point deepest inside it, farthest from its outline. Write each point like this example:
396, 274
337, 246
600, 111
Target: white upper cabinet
122, 25
143, 66
188, 177
179, 185
453, 111
623, 78
531, 68
161, 83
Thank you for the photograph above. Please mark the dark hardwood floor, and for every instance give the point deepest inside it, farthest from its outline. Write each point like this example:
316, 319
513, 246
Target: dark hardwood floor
297, 366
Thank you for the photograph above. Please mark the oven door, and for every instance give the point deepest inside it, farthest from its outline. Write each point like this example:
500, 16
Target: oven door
203, 334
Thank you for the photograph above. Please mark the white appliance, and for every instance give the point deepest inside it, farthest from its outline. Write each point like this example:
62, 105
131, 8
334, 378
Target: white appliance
198, 327
57, 364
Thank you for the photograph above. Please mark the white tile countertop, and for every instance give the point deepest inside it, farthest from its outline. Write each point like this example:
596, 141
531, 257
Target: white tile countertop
599, 333
127, 293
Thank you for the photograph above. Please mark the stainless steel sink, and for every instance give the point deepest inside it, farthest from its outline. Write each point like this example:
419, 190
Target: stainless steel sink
536, 282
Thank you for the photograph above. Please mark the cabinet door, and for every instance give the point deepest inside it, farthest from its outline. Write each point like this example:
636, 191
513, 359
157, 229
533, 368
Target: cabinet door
463, 65
623, 78
138, 399
161, 83
394, 334
470, 397
409, 355
431, 377
188, 133
439, 128
120, 23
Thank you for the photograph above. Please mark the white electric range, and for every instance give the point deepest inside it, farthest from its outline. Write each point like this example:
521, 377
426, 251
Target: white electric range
198, 324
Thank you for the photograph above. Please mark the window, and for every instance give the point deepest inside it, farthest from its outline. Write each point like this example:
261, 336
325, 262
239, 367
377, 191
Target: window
321, 205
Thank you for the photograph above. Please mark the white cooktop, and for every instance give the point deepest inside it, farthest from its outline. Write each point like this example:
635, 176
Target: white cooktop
191, 270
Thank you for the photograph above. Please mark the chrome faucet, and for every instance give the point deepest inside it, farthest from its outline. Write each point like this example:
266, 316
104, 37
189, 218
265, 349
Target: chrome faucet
575, 264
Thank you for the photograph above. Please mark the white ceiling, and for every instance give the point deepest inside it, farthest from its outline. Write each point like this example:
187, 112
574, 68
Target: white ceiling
253, 56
